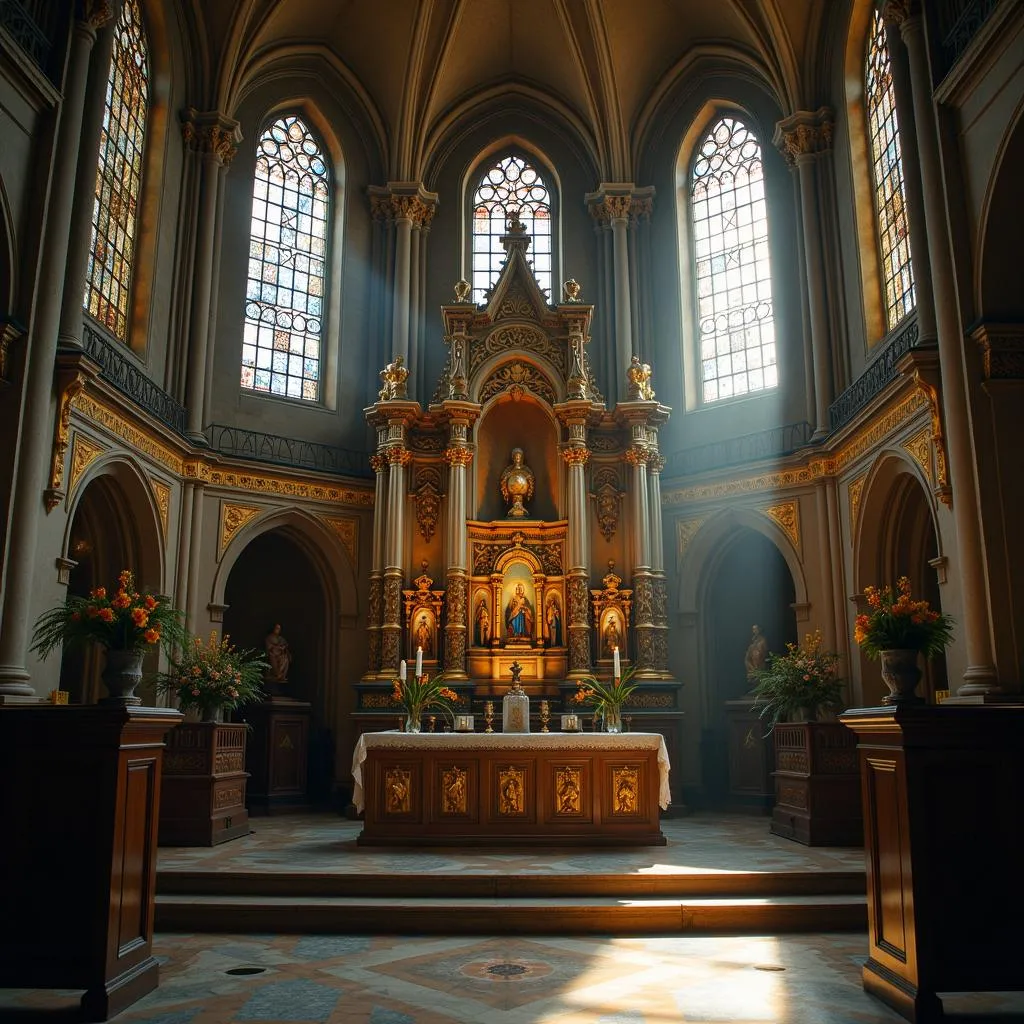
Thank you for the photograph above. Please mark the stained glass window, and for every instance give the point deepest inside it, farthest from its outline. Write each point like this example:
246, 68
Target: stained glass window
887, 177
735, 318
510, 186
119, 176
284, 299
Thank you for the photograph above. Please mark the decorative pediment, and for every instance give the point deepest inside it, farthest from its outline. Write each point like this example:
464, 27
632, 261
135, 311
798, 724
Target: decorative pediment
517, 293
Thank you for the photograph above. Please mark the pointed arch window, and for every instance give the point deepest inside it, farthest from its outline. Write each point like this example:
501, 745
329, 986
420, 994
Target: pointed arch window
119, 177
512, 185
729, 227
284, 304
887, 178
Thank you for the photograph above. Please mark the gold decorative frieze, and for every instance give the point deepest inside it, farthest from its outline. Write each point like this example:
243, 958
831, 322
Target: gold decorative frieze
346, 529
861, 442
397, 790
162, 495
288, 487
232, 519
515, 379
568, 791
786, 516
83, 453
855, 490
920, 450
511, 791
117, 424
686, 530
453, 791
625, 790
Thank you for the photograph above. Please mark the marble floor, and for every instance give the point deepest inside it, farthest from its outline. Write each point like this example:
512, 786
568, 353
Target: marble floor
337, 979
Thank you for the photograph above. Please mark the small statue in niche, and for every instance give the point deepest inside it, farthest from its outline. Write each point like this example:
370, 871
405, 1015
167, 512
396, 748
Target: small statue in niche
517, 484
279, 654
482, 624
424, 637
639, 376
553, 621
757, 651
519, 615
393, 376
612, 637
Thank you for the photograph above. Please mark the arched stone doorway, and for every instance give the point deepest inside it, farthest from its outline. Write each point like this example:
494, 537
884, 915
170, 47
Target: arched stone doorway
897, 537
745, 582
113, 527
276, 581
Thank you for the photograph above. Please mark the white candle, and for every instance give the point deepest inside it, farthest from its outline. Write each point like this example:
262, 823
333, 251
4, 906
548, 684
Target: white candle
419, 662
401, 670
615, 661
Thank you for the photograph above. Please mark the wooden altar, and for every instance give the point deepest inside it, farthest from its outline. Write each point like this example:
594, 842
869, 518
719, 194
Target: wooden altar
588, 789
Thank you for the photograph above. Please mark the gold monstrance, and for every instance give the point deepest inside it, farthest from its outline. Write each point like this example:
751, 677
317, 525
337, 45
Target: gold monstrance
517, 485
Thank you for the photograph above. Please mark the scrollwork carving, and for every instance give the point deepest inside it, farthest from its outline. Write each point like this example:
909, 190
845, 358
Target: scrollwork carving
515, 378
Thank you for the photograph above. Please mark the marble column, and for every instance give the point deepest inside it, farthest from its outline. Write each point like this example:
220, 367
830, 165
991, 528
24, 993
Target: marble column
70, 334
458, 456
215, 139
398, 457
36, 433
980, 677
576, 456
800, 138
644, 657
195, 554
379, 463
659, 633
894, 12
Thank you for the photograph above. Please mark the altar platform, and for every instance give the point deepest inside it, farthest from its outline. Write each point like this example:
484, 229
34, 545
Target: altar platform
717, 874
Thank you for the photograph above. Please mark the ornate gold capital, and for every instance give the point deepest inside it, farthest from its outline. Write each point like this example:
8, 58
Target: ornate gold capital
804, 134
378, 462
399, 456
656, 463
403, 201
458, 456
96, 13
9, 333
636, 456
212, 133
620, 202
576, 456
895, 12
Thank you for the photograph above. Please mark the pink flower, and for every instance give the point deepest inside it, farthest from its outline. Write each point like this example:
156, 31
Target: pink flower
195, 692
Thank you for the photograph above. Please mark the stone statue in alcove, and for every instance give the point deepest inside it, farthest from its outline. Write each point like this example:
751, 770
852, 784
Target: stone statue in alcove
279, 654
757, 651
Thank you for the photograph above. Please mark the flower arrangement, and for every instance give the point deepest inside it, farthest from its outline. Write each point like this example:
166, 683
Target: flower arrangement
897, 622
805, 680
214, 675
127, 621
420, 693
607, 699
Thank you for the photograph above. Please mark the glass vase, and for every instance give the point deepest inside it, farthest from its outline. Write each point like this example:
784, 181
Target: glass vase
412, 720
613, 719
213, 713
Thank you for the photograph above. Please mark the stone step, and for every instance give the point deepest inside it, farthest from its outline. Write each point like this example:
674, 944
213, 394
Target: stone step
510, 916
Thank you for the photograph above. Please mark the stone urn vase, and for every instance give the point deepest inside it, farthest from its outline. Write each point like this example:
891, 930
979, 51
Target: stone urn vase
122, 673
901, 674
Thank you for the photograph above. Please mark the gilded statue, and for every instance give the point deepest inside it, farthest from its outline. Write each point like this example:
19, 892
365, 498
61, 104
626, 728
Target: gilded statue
639, 377
482, 624
279, 655
424, 637
517, 485
757, 651
519, 615
612, 637
393, 376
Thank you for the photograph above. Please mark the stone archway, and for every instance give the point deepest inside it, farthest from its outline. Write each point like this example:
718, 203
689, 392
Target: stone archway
113, 526
896, 536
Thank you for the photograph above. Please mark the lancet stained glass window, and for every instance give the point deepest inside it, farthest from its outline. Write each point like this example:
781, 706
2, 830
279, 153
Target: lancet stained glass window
887, 177
510, 186
119, 177
735, 317
284, 299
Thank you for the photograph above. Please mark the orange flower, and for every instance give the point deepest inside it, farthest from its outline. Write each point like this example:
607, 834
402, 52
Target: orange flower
140, 617
122, 600
98, 592
76, 616
151, 636
106, 614
447, 694
150, 602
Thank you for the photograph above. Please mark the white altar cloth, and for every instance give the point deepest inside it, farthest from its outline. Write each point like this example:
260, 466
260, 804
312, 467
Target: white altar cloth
394, 740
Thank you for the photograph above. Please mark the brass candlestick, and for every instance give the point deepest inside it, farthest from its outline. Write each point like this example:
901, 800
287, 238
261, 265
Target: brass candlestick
489, 715
431, 722
545, 715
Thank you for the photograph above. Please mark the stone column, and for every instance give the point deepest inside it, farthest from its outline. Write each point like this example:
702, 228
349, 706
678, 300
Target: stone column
402, 204
659, 634
577, 455
980, 677
894, 12
800, 138
398, 457
458, 456
36, 433
70, 334
644, 657
379, 462
215, 139
195, 553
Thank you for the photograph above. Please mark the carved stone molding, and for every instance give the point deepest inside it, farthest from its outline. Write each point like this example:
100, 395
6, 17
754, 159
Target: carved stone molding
10, 332
854, 491
607, 497
232, 518
515, 379
403, 201
427, 501
786, 515
346, 529
70, 388
211, 133
920, 450
804, 134
83, 453
686, 530
621, 202
1002, 350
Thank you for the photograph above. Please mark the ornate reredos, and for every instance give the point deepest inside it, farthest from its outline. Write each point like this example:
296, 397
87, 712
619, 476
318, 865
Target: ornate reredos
517, 342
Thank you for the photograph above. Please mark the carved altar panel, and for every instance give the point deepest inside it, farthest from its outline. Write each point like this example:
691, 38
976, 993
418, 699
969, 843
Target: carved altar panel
612, 608
423, 619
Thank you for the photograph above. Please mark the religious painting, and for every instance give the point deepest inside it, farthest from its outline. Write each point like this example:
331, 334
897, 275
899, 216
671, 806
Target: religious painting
518, 596
481, 619
612, 634
423, 633
553, 628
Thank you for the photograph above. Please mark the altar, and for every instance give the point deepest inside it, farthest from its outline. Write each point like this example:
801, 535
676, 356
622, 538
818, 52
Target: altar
587, 789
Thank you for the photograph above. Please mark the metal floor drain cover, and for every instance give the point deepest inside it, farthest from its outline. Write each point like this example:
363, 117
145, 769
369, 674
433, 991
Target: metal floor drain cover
245, 970
507, 970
